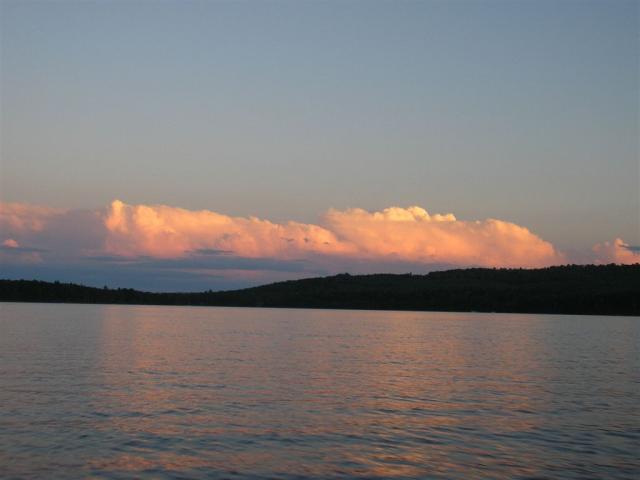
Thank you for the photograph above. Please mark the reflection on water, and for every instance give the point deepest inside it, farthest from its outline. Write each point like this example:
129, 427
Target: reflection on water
132, 391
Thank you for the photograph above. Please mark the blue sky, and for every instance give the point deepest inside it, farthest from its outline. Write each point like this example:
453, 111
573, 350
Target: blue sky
526, 111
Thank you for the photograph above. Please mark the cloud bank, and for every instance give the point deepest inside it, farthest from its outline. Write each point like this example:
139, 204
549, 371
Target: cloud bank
410, 235
208, 243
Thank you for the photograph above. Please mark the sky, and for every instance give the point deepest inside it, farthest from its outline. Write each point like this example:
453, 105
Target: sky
200, 144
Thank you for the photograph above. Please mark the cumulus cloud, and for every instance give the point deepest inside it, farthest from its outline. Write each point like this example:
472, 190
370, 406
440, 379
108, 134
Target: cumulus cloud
167, 232
21, 217
616, 251
413, 234
170, 239
402, 234
70, 232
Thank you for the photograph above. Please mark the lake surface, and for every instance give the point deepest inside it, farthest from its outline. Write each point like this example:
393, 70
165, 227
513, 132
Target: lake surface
181, 392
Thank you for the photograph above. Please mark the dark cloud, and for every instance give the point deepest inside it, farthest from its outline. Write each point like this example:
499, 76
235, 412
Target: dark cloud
210, 251
19, 250
204, 262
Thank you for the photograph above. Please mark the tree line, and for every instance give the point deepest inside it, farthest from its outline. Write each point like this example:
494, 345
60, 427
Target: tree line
571, 289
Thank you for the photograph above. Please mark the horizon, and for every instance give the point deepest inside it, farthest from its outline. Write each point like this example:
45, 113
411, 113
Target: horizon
330, 276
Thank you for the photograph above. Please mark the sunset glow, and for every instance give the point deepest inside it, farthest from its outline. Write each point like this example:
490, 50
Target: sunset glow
223, 246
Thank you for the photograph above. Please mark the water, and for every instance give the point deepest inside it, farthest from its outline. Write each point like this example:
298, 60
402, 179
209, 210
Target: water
181, 392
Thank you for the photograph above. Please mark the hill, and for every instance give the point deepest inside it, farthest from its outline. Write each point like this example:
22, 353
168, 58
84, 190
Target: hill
571, 289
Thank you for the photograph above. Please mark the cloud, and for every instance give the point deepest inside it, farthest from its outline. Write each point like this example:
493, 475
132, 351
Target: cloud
11, 252
211, 251
616, 251
10, 243
141, 239
170, 232
407, 235
414, 235
204, 262
74, 232
22, 217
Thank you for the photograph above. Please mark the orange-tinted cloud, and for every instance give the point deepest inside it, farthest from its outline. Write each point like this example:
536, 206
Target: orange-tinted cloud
22, 217
413, 234
409, 235
10, 243
11, 251
616, 251
394, 239
163, 231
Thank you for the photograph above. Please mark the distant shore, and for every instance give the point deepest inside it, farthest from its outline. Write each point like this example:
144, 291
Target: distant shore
571, 289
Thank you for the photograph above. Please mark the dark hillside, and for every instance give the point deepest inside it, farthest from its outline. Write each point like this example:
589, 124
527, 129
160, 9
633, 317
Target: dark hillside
575, 289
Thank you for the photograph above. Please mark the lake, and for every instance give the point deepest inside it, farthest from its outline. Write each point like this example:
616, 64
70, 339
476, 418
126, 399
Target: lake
107, 391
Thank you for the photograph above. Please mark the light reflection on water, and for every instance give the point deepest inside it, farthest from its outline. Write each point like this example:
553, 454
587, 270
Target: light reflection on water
179, 392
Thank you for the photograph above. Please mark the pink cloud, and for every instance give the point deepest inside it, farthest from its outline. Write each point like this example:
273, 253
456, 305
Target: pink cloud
22, 217
616, 251
10, 243
408, 235
413, 234
168, 232
353, 239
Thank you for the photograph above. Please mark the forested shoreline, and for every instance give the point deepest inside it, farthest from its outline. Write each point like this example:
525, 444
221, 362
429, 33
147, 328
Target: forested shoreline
571, 289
